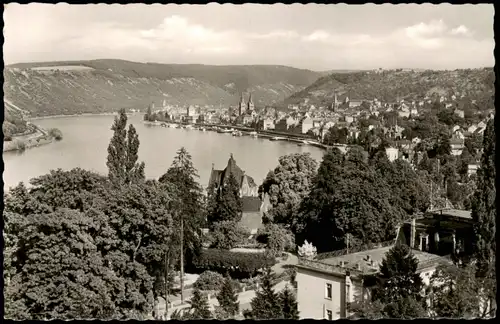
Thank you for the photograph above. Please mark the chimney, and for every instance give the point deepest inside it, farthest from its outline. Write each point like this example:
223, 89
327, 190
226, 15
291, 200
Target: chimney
213, 166
358, 266
372, 263
341, 263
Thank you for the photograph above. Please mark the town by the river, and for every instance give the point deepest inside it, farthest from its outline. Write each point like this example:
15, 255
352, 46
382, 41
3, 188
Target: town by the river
86, 139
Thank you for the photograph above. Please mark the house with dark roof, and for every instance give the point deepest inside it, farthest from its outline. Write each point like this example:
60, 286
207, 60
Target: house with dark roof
253, 207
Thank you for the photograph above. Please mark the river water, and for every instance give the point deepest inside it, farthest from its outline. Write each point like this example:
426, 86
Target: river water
86, 139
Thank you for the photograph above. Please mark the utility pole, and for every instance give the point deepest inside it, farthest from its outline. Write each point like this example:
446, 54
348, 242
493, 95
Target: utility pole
182, 259
166, 285
347, 237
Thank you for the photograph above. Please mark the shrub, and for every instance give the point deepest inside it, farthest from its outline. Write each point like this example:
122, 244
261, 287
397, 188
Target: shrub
20, 145
227, 235
224, 260
56, 133
209, 280
277, 238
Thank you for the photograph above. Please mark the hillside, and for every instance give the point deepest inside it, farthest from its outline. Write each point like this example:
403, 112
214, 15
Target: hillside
107, 85
389, 85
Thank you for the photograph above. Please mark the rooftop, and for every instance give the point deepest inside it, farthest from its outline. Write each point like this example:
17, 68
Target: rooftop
365, 262
453, 213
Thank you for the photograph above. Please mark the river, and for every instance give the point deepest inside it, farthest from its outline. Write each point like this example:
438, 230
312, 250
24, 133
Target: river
86, 139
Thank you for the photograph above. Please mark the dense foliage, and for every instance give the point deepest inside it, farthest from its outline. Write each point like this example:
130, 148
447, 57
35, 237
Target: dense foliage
123, 153
288, 184
224, 260
189, 207
199, 306
227, 204
228, 298
289, 304
397, 290
277, 238
484, 204
227, 235
209, 280
266, 303
56, 134
348, 197
456, 292
72, 229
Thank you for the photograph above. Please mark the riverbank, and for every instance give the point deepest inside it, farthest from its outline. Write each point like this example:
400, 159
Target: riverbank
21, 143
72, 115
272, 135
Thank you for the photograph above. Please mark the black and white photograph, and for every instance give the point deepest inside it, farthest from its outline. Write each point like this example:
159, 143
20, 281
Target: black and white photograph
248, 162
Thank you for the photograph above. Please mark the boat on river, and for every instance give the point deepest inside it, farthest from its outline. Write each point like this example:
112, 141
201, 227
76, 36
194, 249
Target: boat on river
254, 134
237, 133
277, 138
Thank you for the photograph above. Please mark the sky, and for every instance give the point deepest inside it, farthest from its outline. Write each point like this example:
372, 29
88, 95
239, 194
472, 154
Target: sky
312, 36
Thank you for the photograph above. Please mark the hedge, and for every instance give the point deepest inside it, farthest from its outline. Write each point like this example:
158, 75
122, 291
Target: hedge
225, 260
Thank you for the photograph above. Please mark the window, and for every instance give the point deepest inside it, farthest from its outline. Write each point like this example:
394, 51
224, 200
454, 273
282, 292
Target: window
348, 293
328, 293
329, 315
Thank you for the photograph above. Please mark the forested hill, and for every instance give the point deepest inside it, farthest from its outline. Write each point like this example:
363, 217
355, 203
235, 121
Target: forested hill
476, 84
52, 88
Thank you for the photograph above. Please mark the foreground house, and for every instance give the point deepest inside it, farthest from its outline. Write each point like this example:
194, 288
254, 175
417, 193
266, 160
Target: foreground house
327, 283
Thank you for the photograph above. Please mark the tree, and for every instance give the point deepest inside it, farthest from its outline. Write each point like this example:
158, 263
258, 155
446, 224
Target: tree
288, 184
228, 203
227, 235
484, 210
123, 153
289, 304
397, 292
228, 298
188, 195
484, 205
199, 306
102, 245
277, 238
456, 292
266, 303
345, 187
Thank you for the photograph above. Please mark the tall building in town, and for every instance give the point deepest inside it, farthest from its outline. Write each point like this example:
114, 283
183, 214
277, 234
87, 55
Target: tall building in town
242, 105
250, 104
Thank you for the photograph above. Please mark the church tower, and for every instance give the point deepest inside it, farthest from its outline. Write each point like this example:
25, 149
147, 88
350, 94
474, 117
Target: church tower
335, 102
241, 105
250, 105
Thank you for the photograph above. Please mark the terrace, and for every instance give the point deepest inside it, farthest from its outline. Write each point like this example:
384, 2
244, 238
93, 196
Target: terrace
363, 260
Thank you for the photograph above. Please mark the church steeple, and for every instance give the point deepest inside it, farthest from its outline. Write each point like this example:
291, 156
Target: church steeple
250, 105
241, 105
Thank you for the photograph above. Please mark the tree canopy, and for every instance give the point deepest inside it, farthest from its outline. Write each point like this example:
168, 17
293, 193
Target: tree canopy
123, 153
288, 184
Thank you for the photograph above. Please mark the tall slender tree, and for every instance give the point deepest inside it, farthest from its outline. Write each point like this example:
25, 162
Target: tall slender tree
189, 209
123, 149
484, 205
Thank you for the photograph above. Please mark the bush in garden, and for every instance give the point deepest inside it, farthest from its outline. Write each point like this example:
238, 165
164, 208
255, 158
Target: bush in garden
227, 235
209, 280
307, 250
277, 238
